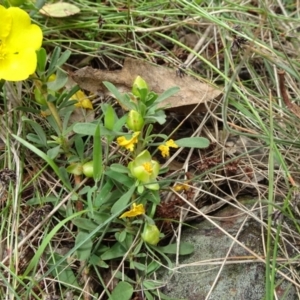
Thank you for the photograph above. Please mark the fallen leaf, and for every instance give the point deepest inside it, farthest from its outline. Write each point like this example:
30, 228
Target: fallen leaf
158, 78
59, 10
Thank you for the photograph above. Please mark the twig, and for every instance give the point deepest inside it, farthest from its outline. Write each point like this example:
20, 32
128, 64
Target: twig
295, 109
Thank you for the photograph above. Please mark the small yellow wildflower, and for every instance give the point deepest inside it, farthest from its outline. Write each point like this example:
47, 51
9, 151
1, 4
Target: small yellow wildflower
82, 100
148, 167
165, 148
128, 144
181, 187
136, 210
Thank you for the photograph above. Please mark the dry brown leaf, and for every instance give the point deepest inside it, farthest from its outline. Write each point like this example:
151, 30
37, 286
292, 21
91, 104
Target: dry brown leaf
159, 79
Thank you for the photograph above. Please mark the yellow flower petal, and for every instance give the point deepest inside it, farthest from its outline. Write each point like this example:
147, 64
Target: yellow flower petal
171, 143
19, 40
128, 144
82, 99
16, 67
6, 21
135, 211
181, 187
23, 34
165, 150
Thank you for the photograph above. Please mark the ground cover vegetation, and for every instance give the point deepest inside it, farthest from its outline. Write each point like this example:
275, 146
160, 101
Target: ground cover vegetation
101, 169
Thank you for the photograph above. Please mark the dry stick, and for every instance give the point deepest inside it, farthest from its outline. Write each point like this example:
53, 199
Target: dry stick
295, 109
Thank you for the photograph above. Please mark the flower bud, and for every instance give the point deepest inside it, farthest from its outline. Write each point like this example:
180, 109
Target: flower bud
151, 234
88, 169
135, 121
139, 83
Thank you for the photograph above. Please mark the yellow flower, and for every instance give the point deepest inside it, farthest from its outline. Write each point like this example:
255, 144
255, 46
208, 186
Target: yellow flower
19, 40
82, 100
136, 210
181, 187
128, 144
165, 148
145, 170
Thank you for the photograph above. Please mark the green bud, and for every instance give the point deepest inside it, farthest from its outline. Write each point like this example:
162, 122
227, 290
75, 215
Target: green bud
139, 83
88, 169
39, 97
151, 234
135, 121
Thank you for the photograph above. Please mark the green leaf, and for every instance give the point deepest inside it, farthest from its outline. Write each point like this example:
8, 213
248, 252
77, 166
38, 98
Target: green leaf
63, 271
123, 201
193, 142
84, 250
85, 224
53, 152
123, 291
151, 284
122, 99
41, 60
121, 178
104, 193
120, 123
119, 168
38, 130
109, 117
167, 94
53, 61
45, 158
64, 57
90, 128
59, 82
139, 266
116, 251
148, 295
152, 267
46, 241
120, 236
79, 146
184, 249
97, 155
97, 261
99, 217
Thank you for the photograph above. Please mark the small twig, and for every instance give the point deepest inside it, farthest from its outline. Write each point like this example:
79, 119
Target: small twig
295, 109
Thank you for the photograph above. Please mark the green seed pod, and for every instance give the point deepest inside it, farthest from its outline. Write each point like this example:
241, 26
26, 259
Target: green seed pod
88, 169
151, 234
135, 121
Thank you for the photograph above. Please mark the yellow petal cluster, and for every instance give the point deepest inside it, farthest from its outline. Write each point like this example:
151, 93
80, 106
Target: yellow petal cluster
165, 148
181, 187
128, 144
82, 100
19, 40
136, 210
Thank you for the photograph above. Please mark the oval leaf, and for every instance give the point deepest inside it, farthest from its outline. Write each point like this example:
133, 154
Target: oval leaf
123, 291
59, 10
193, 142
